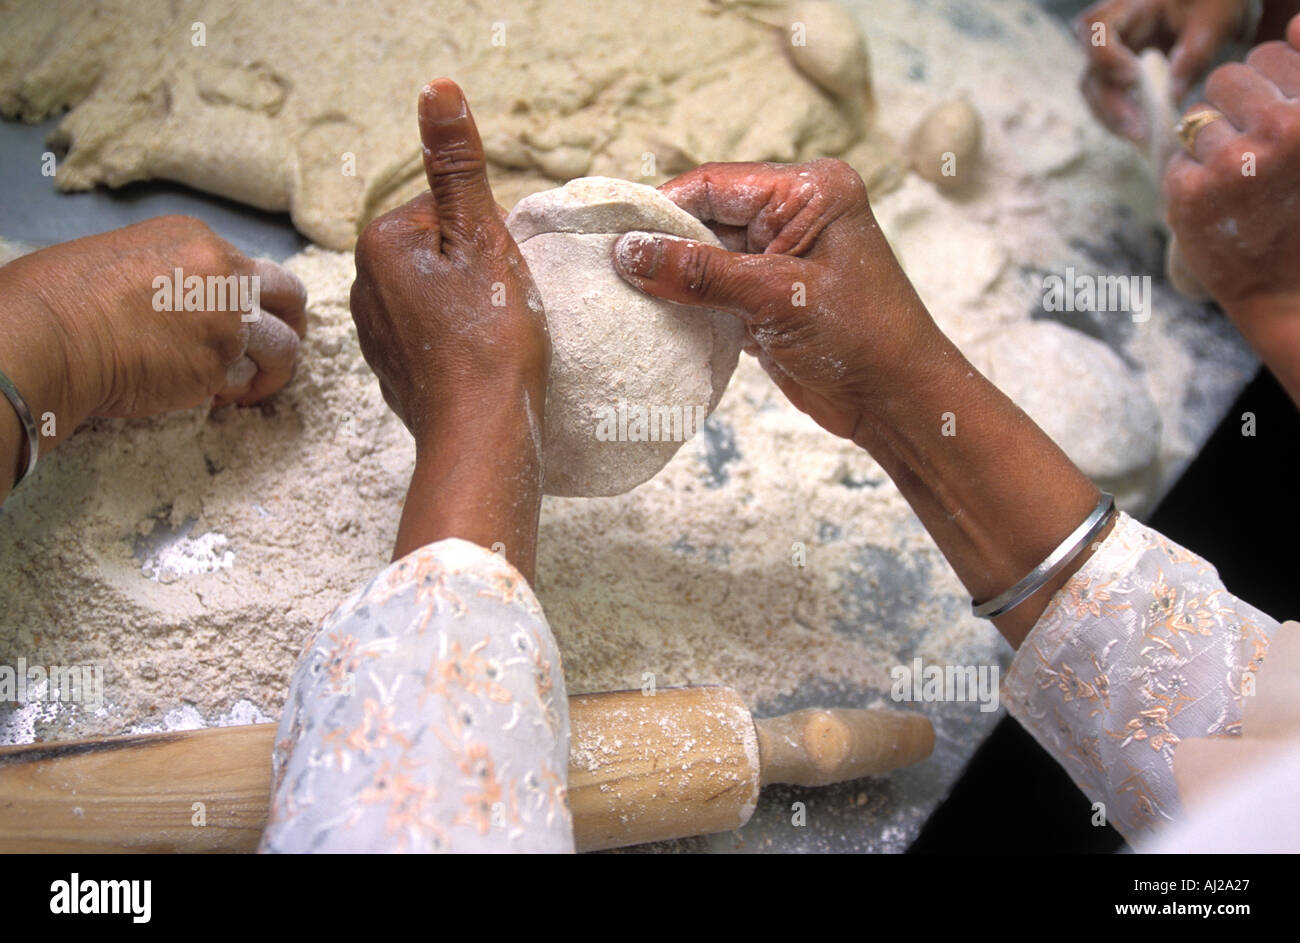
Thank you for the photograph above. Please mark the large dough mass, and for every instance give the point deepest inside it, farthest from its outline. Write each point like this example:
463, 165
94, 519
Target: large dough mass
309, 105
631, 376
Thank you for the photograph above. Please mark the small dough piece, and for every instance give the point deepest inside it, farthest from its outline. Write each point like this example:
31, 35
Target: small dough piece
618, 354
834, 53
945, 146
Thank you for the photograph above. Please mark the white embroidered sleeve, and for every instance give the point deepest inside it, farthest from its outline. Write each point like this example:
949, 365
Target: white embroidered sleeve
1143, 648
427, 713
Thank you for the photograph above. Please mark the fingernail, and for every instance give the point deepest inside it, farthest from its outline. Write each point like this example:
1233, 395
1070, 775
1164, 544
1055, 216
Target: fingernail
446, 104
638, 253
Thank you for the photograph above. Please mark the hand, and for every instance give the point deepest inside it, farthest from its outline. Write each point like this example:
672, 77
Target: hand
452, 324
1240, 232
838, 326
446, 311
829, 312
1191, 31
85, 332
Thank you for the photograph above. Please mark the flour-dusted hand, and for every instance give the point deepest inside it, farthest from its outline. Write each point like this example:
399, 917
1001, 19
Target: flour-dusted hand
829, 313
1113, 32
452, 324
445, 308
157, 316
1235, 203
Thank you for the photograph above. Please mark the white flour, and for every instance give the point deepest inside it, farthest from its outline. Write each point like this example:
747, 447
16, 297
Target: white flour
288, 506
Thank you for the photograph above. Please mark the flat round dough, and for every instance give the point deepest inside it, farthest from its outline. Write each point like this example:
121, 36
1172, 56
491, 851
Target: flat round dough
632, 377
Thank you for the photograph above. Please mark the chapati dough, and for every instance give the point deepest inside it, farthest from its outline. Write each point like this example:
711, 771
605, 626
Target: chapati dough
309, 105
632, 377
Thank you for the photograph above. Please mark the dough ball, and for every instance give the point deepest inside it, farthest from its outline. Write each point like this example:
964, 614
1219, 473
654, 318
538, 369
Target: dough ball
1080, 393
632, 377
833, 53
945, 146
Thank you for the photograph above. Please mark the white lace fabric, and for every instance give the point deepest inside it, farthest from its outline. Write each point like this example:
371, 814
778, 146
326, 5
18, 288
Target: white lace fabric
1142, 649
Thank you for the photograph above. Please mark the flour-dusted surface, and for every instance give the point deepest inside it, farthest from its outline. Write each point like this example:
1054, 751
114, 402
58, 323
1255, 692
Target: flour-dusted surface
690, 576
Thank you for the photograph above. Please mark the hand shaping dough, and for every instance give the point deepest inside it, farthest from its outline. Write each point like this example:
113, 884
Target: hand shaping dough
631, 376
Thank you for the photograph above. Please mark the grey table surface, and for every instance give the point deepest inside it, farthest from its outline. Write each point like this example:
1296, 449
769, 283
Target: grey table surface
40, 215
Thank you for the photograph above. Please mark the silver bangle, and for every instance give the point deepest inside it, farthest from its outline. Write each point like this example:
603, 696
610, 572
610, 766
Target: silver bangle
29, 423
1056, 561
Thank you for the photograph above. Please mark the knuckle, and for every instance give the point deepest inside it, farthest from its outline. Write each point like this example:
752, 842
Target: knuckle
843, 180
1224, 81
180, 223
697, 269
1279, 124
1198, 47
360, 298
211, 257
370, 245
460, 158
279, 370
1267, 54
222, 352
207, 252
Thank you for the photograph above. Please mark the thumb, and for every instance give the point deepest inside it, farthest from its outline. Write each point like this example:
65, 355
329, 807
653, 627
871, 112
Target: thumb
454, 162
693, 273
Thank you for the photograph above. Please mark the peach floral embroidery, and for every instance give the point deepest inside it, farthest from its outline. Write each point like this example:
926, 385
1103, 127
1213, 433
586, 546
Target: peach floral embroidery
342, 661
466, 670
374, 731
477, 764
432, 583
1112, 684
411, 805
1084, 598
460, 702
1144, 802
1151, 726
1164, 601
504, 587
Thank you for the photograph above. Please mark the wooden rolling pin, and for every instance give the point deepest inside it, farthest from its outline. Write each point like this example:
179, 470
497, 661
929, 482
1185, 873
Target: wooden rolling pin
690, 761
685, 761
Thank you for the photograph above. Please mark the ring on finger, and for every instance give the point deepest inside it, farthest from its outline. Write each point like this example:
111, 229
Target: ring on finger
1193, 124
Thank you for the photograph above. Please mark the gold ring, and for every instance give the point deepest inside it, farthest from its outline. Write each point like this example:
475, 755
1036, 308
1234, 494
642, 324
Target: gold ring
1192, 125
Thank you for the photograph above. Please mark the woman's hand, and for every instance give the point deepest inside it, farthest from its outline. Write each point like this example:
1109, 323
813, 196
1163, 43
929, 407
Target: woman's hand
101, 315
1235, 204
93, 327
836, 323
829, 313
1113, 32
451, 323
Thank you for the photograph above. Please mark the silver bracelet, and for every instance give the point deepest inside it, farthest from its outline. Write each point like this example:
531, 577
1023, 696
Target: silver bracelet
1056, 561
29, 423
